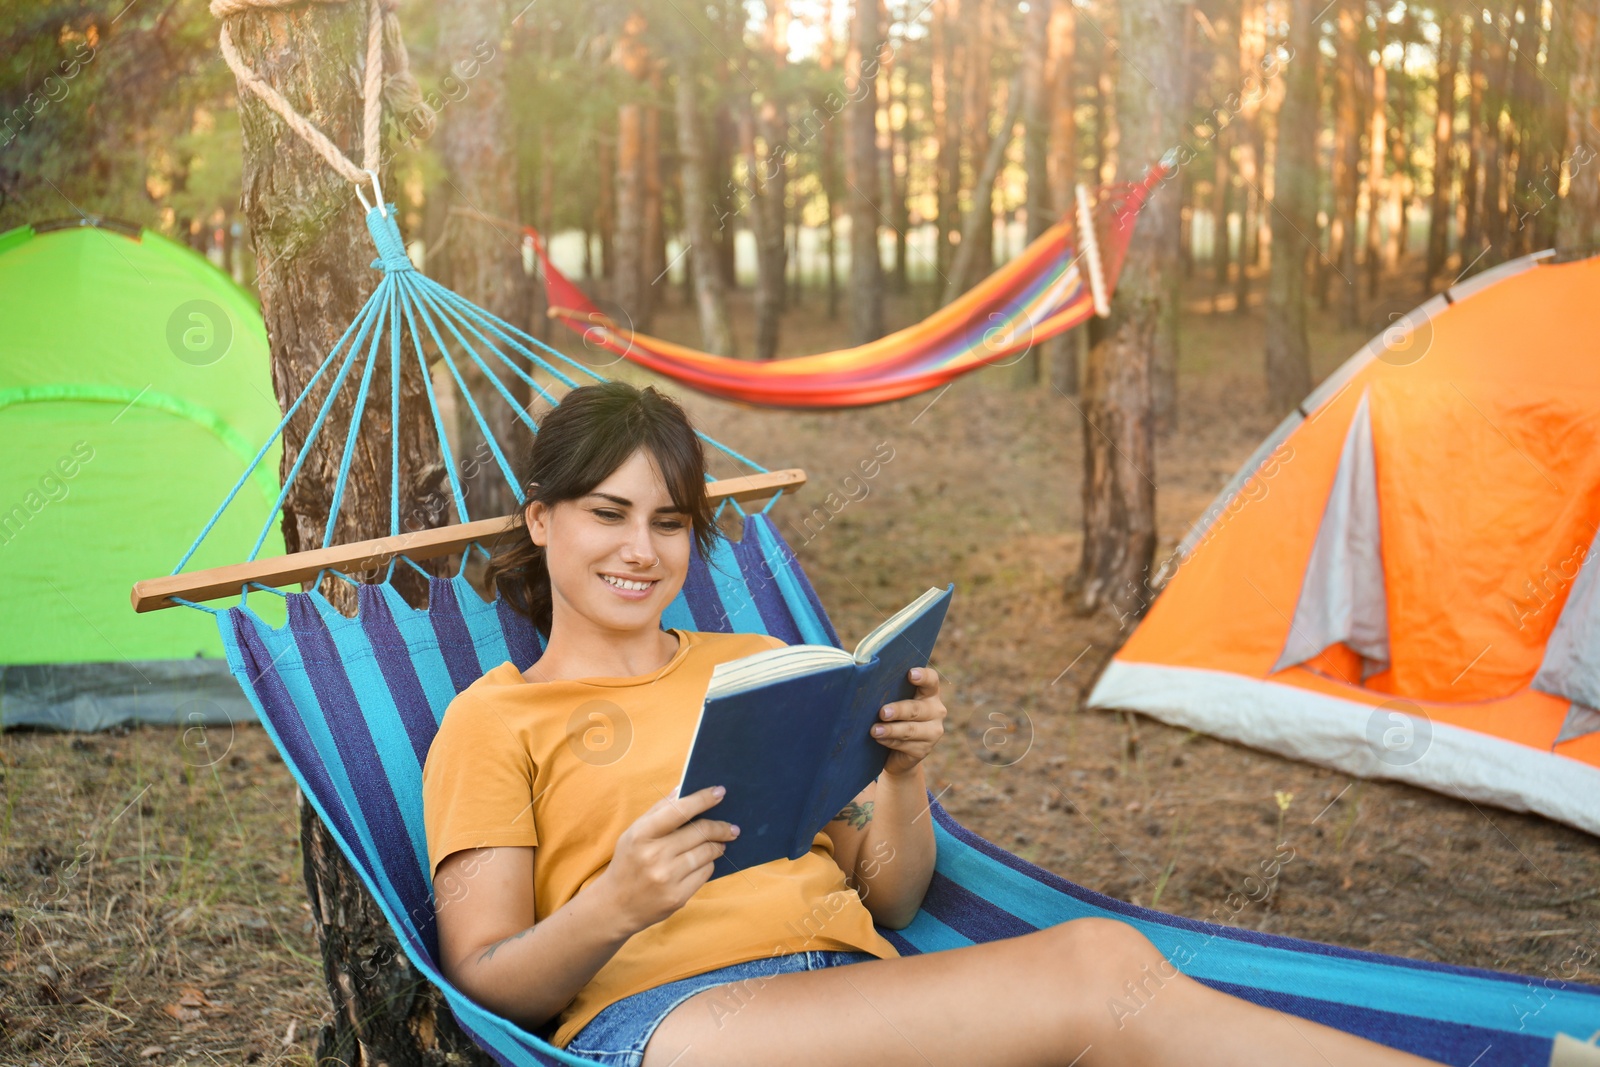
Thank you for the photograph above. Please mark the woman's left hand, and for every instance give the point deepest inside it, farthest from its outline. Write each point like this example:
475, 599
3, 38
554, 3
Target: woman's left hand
912, 727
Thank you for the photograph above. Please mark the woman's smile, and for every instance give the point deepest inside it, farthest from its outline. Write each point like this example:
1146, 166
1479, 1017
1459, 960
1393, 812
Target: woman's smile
630, 589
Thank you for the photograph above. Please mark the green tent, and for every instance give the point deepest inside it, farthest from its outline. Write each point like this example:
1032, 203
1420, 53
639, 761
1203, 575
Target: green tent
134, 391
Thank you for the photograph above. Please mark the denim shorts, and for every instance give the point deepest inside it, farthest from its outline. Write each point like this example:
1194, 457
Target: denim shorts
617, 1036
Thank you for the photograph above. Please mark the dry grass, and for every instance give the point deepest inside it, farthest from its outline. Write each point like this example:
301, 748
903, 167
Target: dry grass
180, 934
153, 907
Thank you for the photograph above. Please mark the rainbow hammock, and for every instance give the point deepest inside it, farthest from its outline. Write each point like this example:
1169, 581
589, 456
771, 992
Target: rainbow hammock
353, 704
1047, 289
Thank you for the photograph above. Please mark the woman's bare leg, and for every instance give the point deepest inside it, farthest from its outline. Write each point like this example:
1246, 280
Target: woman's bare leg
1046, 999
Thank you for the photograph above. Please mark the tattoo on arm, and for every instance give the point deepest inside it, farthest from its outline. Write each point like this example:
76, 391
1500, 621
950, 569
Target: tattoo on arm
490, 951
857, 815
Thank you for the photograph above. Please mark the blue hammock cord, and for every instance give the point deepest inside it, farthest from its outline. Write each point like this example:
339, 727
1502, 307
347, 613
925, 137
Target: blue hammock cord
409, 305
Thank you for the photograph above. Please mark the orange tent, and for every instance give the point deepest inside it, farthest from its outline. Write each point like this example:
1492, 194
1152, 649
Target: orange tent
1399, 584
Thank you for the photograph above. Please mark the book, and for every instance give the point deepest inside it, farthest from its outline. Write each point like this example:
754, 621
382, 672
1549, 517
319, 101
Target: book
788, 731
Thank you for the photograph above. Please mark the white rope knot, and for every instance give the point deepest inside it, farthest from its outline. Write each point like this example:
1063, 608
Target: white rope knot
400, 87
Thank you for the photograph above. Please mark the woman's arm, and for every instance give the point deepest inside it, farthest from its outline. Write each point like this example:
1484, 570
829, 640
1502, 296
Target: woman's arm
883, 840
493, 951
491, 948
895, 858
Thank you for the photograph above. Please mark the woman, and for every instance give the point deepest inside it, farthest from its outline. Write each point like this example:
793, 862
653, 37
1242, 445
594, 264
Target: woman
572, 887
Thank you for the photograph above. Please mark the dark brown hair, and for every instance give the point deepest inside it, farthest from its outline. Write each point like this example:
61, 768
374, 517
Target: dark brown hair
581, 441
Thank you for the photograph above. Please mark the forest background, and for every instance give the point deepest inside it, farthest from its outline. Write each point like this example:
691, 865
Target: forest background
771, 180
1458, 132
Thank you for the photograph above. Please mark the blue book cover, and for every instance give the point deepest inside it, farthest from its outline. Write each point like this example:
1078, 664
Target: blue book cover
788, 731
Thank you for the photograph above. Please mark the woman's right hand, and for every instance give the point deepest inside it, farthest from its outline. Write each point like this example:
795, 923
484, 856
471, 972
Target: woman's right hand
664, 858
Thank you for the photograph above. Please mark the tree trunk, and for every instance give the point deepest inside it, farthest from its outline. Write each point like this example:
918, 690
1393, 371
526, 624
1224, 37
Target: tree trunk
978, 93
1119, 534
313, 257
632, 241
884, 92
764, 199
1105, 155
710, 297
1471, 184
1377, 143
627, 266
1294, 211
1400, 183
655, 233
1247, 126
1347, 136
1164, 361
944, 75
1224, 135
605, 220
1323, 239
830, 162
1497, 58
1186, 228
1575, 235
1527, 133
477, 150
1036, 99
897, 165
1557, 90
794, 290
545, 215
1220, 244
979, 223
861, 173
725, 136
230, 249
768, 184
1443, 144
1064, 160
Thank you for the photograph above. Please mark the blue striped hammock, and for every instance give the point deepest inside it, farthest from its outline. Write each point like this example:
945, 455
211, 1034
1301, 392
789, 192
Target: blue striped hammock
353, 704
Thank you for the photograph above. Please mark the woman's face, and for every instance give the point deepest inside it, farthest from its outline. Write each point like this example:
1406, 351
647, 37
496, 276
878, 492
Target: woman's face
628, 528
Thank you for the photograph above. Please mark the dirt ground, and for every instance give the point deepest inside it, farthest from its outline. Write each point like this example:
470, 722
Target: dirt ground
150, 886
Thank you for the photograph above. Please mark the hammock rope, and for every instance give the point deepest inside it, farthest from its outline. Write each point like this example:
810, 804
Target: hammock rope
383, 28
409, 307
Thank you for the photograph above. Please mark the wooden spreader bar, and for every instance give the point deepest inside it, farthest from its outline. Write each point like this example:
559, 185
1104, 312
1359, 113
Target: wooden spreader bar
152, 594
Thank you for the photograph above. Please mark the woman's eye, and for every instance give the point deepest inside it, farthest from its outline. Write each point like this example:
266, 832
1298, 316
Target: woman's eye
608, 515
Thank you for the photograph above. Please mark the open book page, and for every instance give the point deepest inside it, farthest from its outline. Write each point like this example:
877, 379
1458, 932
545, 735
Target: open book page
771, 665
884, 631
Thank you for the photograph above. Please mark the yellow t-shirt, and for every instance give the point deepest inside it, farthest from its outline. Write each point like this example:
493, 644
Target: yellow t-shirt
569, 765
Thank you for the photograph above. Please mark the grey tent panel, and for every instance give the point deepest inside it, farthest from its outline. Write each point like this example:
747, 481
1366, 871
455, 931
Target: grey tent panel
1571, 666
1343, 597
98, 696
1580, 722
